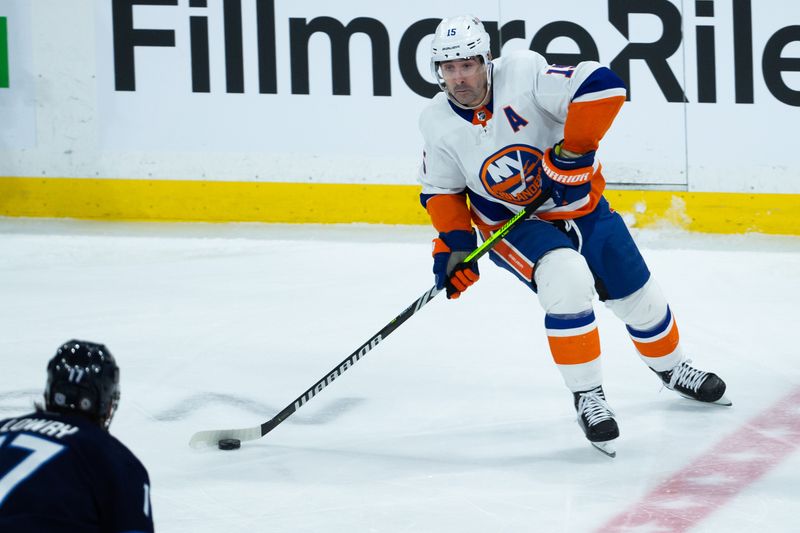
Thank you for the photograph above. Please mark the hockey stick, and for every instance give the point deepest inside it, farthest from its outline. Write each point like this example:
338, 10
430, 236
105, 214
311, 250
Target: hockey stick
214, 436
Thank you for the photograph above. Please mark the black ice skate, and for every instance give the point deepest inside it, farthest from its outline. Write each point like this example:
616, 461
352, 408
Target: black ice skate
695, 384
597, 419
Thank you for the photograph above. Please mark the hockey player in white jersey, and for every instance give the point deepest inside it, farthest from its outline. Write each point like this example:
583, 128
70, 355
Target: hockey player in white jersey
500, 134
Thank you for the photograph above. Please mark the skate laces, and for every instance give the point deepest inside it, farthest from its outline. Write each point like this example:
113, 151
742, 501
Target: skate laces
593, 406
686, 376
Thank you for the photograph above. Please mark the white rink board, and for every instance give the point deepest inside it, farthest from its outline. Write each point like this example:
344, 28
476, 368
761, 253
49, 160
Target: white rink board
89, 125
17, 105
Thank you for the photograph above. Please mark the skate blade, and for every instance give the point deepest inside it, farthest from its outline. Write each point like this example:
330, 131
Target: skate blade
606, 447
724, 400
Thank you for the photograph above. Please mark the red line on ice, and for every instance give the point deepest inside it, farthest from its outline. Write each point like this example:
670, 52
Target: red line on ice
693, 493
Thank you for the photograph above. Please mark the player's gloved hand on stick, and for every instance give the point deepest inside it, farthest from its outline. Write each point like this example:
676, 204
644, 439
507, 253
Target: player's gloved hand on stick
449, 249
567, 178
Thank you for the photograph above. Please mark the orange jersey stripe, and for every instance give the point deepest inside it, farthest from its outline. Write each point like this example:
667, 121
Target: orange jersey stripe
598, 187
518, 262
662, 347
449, 212
576, 349
588, 122
486, 229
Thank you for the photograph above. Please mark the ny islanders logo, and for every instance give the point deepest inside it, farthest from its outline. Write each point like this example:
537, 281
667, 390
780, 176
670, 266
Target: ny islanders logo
513, 174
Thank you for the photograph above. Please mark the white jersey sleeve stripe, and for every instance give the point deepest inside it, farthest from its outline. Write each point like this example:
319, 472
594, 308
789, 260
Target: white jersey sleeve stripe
599, 95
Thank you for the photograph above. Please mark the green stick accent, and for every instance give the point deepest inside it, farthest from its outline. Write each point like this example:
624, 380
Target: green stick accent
3, 53
502, 232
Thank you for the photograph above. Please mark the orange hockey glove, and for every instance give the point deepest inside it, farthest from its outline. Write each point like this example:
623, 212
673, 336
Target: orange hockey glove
449, 250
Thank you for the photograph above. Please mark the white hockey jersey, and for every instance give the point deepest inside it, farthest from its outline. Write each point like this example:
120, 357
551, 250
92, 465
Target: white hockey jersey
496, 161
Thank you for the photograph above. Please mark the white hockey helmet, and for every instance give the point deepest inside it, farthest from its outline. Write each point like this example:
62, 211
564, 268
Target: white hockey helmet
460, 37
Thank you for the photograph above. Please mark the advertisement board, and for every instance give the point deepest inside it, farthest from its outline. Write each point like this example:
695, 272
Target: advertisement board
288, 96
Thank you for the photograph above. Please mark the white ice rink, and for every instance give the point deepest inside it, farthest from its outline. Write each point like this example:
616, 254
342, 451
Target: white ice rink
457, 422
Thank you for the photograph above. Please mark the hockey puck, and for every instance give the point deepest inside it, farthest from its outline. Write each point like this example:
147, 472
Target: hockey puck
229, 444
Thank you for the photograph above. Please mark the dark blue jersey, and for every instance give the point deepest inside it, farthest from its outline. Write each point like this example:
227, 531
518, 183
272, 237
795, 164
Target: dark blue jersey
64, 474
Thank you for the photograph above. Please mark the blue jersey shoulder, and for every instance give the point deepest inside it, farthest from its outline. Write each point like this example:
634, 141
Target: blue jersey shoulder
601, 79
65, 473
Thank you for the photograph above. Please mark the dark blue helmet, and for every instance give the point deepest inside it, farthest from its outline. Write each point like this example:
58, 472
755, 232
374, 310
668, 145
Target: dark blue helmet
83, 377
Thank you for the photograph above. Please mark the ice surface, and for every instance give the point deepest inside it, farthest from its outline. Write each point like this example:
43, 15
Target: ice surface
458, 422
